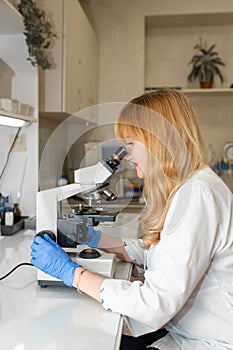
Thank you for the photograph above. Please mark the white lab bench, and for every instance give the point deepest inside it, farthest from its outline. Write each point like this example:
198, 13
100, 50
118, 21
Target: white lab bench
52, 318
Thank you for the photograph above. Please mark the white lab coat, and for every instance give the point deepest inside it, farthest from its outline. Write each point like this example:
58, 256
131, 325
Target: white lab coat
188, 284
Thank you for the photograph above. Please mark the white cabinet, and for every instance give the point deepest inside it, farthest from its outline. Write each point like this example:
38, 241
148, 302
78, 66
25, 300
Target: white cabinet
72, 84
69, 87
15, 73
18, 81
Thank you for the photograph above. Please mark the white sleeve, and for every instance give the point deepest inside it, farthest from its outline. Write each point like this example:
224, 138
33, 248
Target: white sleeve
175, 265
135, 251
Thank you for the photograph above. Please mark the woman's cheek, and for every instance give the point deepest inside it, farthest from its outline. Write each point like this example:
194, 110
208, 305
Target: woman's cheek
140, 173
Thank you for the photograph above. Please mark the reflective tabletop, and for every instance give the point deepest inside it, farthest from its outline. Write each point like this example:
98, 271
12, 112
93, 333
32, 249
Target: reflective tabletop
52, 318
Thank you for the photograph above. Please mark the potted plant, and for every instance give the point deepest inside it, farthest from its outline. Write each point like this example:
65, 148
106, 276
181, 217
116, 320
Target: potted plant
205, 65
38, 33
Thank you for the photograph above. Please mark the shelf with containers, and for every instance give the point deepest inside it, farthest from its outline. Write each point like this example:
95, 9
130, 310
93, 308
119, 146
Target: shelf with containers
18, 82
16, 73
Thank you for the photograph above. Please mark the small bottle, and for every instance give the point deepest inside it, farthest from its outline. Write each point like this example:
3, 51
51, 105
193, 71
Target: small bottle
9, 216
62, 181
2, 209
16, 212
226, 174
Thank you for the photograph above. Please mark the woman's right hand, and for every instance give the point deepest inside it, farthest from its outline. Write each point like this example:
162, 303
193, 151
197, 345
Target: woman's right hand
92, 238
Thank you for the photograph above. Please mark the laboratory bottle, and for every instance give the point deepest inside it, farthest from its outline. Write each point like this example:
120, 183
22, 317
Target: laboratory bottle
62, 181
9, 216
2, 209
226, 174
16, 211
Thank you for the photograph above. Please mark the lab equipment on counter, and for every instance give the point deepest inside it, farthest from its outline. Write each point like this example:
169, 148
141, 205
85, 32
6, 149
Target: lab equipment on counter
62, 180
226, 173
91, 183
11, 219
228, 151
52, 259
9, 230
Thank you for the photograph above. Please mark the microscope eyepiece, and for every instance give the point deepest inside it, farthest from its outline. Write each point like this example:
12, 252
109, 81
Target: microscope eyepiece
120, 153
116, 157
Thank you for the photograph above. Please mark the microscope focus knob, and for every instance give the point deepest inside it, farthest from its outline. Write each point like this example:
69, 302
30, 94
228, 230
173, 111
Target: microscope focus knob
49, 233
89, 253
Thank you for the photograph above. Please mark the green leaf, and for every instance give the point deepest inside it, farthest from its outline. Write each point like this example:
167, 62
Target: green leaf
38, 33
205, 64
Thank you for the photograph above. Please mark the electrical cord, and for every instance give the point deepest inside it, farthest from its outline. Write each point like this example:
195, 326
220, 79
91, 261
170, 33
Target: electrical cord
9, 152
16, 267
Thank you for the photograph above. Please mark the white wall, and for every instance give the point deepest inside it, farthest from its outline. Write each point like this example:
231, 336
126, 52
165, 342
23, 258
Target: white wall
119, 25
124, 70
174, 47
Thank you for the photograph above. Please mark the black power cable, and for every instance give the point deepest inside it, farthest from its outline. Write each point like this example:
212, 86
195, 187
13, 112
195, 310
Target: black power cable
16, 267
9, 152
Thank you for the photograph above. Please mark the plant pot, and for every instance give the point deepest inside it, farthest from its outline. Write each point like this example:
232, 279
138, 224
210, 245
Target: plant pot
206, 84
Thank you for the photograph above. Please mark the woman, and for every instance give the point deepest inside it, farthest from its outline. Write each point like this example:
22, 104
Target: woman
187, 244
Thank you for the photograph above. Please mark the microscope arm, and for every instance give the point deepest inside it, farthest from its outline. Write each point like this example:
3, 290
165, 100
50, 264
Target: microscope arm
86, 179
47, 201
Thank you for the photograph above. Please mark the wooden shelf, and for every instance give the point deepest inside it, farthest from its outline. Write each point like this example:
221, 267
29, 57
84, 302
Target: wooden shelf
18, 116
163, 27
218, 91
189, 20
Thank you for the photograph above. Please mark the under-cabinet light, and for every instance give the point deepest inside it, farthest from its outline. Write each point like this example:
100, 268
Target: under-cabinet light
14, 122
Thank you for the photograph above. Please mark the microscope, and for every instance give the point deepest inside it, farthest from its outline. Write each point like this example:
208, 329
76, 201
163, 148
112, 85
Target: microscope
71, 229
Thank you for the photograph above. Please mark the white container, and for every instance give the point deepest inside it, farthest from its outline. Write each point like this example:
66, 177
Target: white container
24, 108
31, 111
9, 218
15, 106
62, 181
6, 104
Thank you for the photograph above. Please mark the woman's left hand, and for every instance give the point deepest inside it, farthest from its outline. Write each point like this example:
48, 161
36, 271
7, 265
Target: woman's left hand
49, 257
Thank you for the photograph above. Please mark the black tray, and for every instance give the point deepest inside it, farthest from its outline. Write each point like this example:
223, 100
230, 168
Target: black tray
11, 230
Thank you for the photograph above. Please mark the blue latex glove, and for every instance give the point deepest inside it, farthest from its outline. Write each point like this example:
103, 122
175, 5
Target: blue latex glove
92, 238
49, 257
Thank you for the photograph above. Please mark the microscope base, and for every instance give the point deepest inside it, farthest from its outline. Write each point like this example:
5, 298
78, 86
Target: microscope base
104, 265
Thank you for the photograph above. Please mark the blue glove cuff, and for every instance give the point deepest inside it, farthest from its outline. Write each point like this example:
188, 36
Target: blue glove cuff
94, 241
68, 276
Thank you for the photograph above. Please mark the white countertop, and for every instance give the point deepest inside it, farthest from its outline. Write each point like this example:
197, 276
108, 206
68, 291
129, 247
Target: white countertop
52, 318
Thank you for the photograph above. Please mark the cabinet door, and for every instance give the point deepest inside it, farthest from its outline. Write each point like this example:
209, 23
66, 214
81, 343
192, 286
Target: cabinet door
80, 84
73, 83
